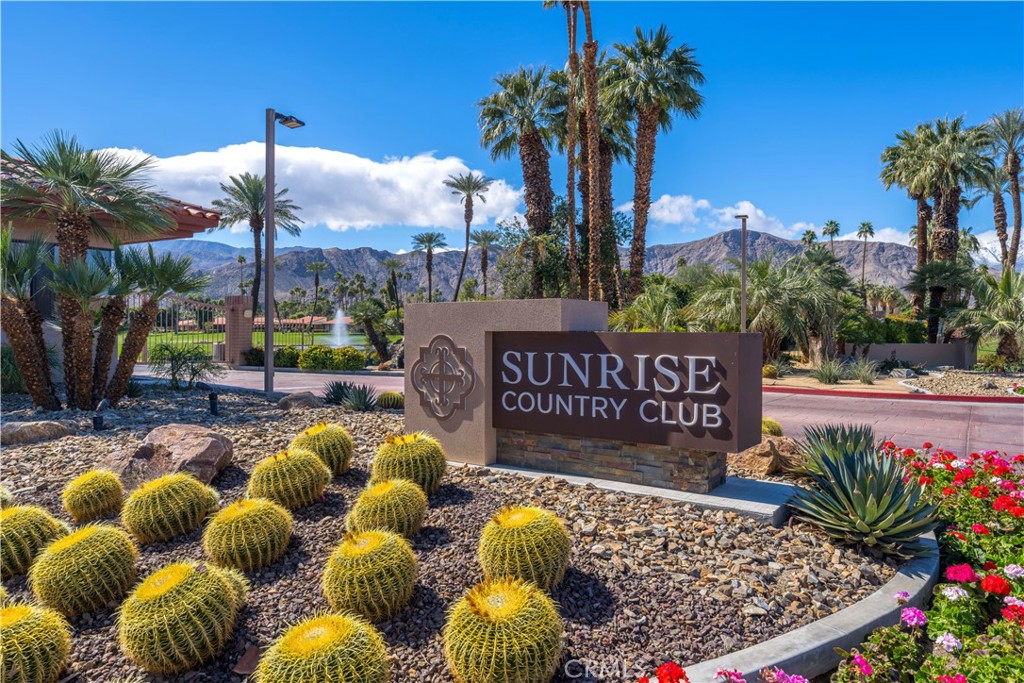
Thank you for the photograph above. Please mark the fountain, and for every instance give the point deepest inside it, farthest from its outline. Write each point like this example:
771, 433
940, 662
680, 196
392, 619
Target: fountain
339, 330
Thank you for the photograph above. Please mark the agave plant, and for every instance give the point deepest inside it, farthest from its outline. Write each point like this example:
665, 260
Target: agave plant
337, 392
833, 442
361, 397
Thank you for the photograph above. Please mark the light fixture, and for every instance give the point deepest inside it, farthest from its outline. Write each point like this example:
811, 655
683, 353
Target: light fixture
288, 121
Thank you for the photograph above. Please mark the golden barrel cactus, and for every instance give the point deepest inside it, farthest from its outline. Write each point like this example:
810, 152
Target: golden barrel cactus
770, 427
85, 570
417, 457
391, 400
248, 535
370, 573
294, 478
34, 644
167, 507
503, 631
327, 649
527, 543
90, 496
6, 497
392, 504
24, 531
181, 616
330, 442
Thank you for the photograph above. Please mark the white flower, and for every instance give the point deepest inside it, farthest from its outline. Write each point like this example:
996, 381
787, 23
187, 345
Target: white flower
954, 593
948, 642
959, 464
1010, 600
1014, 571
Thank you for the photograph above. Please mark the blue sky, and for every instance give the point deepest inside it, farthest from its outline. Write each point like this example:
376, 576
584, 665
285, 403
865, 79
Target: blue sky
800, 100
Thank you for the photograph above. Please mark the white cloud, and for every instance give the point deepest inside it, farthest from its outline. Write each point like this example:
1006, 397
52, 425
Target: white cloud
338, 189
886, 234
692, 214
674, 209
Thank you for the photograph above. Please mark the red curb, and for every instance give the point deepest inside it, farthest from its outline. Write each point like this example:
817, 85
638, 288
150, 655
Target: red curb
899, 397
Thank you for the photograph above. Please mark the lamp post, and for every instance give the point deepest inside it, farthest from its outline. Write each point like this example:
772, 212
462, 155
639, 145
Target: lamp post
743, 271
268, 255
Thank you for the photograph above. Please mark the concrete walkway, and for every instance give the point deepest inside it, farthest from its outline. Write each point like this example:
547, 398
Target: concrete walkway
959, 427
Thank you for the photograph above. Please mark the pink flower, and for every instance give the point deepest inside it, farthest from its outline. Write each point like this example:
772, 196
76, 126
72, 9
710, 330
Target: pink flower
980, 529
729, 676
902, 597
961, 573
949, 642
958, 678
913, 617
862, 665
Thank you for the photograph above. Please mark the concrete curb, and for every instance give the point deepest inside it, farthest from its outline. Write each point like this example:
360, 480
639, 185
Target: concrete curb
378, 373
891, 396
809, 650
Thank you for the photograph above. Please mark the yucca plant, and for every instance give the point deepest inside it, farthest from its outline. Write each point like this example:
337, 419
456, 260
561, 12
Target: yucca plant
337, 392
834, 441
361, 398
864, 371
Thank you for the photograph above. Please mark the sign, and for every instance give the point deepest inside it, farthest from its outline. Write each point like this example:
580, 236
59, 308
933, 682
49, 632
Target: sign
688, 390
443, 377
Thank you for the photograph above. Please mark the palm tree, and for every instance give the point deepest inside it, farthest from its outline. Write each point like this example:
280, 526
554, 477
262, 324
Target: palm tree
316, 267
657, 81
124, 280
241, 272
998, 311
655, 310
864, 231
831, 231
468, 186
957, 160
907, 165
590, 88
245, 202
809, 238
428, 242
935, 279
369, 314
484, 240
393, 265
995, 184
1007, 138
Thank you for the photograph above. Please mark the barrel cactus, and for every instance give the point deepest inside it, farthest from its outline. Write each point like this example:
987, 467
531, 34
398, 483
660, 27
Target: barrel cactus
330, 442
526, 543
393, 504
6, 497
417, 457
391, 400
93, 495
167, 507
34, 644
327, 649
294, 478
503, 630
181, 616
4, 596
248, 535
24, 531
371, 573
770, 427
85, 570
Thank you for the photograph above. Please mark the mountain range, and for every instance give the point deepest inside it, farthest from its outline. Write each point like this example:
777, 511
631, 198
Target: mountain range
886, 263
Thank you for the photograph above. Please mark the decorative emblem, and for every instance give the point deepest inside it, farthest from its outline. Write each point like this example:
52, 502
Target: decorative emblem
443, 377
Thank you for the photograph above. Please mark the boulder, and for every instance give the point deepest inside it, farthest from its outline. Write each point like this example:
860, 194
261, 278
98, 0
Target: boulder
301, 399
15, 433
171, 448
773, 455
902, 373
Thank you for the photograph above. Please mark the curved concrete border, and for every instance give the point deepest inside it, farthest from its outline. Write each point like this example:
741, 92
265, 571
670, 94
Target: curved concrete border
809, 650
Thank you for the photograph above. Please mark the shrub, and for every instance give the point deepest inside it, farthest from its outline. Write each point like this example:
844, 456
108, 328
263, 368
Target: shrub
396, 505
770, 427
167, 507
183, 365
526, 543
24, 531
991, 362
317, 357
503, 630
417, 457
337, 392
900, 329
293, 478
85, 570
285, 357
315, 650
330, 442
135, 389
6, 497
830, 371
371, 573
11, 381
248, 535
34, 644
361, 398
90, 496
181, 616
391, 400
348, 358
255, 356
864, 371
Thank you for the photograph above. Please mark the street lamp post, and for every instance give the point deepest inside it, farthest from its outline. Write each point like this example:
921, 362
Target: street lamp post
268, 255
743, 271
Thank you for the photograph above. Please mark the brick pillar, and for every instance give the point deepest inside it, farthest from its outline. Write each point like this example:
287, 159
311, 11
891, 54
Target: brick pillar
237, 327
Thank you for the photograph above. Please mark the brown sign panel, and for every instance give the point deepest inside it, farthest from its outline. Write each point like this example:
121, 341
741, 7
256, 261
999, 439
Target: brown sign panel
689, 390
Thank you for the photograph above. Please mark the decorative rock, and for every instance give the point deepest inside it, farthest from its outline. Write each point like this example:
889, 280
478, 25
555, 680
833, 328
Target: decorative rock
300, 399
902, 373
171, 448
16, 433
774, 454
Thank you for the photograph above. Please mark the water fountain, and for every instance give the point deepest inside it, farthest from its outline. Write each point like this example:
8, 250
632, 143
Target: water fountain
339, 330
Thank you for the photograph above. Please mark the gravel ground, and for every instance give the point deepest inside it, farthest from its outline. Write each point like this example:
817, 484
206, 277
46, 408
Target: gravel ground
650, 580
961, 383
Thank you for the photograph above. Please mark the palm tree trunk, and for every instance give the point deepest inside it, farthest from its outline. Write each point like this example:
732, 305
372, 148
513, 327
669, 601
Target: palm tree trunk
593, 160
999, 220
1008, 347
646, 133
106, 341
609, 240
863, 271
924, 216
83, 360
35, 324
257, 243
946, 239
73, 243
33, 367
465, 253
538, 195
483, 267
430, 276
570, 195
380, 345
1013, 170
134, 343
934, 305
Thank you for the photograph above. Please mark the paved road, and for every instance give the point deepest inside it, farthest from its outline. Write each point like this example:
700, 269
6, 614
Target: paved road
959, 427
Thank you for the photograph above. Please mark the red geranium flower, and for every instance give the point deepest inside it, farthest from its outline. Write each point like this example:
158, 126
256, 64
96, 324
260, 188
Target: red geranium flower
926, 444
982, 530
948, 491
924, 481
957, 534
670, 672
961, 573
909, 452
995, 584
990, 565
1003, 503
980, 492
889, 445
1014, 613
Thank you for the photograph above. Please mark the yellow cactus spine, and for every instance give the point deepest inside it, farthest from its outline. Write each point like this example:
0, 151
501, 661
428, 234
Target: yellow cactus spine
526, 543
294, 478
504, 630
85, 570
417, 457
181, 616
34, 644
248, 535
93, 495
392, 504
391, 400
327, 649
167, 507
24, 531
6, 497
370, 573
330, 442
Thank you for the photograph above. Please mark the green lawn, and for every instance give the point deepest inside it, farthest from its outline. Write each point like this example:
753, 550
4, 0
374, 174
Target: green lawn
280, 338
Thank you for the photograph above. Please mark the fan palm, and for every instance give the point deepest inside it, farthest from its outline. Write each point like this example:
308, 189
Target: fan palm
998, 311
468, 186
655, 310
369, 314
658, 81
956, 160
240, 259
809, 238
1006, 133
245, 201
484, 240
120, 271
864, 231
593, 153
906, 165
831, 231
427, 242
934, 280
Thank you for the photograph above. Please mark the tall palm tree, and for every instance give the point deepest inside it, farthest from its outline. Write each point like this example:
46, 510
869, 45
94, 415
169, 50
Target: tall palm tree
995, 184
957, 160
590, 87
809, 238
831, 231
316, 267
427, 242
658, 81
240, 259
484, 240
864, 231
392, 266
245, 202
467, 186
1007, 137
